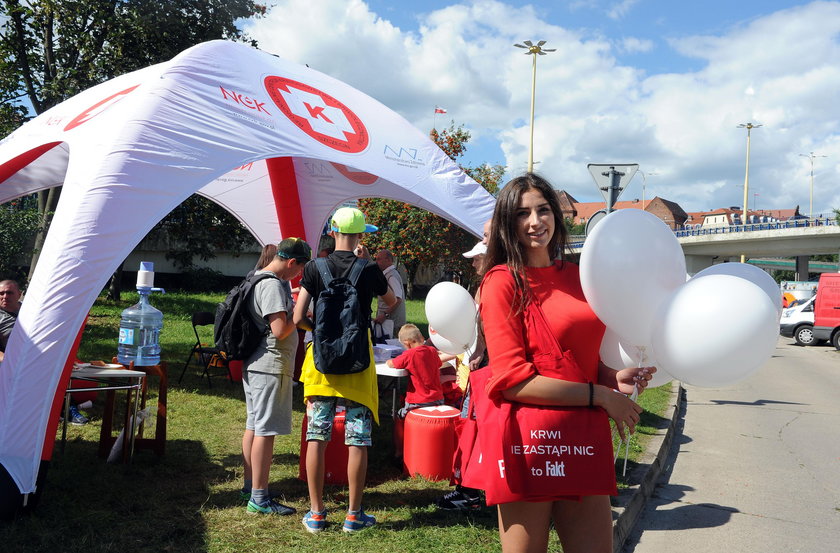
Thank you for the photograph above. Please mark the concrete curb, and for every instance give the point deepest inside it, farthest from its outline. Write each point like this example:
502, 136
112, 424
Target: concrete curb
628, 505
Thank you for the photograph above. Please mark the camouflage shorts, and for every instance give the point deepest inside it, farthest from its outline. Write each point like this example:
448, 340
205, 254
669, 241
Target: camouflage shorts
320, 412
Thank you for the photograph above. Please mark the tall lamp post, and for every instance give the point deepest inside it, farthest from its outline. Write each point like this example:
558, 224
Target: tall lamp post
535, 50
811, 157
749, 127
644, 184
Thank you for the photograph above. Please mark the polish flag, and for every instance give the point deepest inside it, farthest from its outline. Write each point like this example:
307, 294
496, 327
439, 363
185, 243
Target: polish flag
439, 110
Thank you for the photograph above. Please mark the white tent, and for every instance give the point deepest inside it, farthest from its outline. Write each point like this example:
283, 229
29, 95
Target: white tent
277, 144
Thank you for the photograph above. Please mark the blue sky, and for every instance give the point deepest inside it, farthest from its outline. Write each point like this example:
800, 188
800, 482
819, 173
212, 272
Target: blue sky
659, 83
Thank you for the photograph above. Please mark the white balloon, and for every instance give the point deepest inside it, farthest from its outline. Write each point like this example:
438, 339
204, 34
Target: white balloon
715, 331
445, 345
451, 311
617, 355
749, 272
629, 265
660, 378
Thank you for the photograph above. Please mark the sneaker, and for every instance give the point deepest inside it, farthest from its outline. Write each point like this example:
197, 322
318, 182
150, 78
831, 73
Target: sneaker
315, 521
457, 500
270, 507
245, 495
76, 418
357, 520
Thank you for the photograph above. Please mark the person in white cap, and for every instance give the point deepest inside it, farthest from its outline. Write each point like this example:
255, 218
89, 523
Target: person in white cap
476, 254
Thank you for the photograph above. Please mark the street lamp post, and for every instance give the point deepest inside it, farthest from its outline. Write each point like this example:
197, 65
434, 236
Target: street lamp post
749, 127
535, 50
644, 184
811, 157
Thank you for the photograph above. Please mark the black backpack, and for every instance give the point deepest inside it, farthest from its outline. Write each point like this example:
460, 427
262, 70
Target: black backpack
234, 329
340, 338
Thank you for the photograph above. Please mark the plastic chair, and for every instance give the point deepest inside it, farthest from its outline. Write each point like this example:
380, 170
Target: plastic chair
207, 356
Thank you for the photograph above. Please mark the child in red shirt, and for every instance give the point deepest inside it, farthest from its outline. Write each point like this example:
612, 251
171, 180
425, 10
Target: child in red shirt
423, 366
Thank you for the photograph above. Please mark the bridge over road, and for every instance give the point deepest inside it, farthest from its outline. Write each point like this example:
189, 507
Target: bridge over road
799, 239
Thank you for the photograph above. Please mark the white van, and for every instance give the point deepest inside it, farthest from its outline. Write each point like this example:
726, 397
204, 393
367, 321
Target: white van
797, 322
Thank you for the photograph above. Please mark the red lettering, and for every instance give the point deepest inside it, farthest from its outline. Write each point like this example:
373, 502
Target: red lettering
228, 95
316, 112
249, 103
259, 107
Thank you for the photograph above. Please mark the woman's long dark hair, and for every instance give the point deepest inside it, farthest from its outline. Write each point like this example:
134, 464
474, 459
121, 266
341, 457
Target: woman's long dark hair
503, 246
269, 252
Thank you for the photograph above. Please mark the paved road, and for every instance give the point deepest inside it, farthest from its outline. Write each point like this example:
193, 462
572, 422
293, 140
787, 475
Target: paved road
754, 467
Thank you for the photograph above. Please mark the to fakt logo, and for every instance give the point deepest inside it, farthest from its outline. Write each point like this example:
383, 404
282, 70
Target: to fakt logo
318, 114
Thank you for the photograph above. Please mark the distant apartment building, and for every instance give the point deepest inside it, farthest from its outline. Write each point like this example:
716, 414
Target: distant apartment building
672, 214
580, 212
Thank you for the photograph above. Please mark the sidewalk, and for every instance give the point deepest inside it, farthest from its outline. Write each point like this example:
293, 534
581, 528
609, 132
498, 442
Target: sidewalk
630, 502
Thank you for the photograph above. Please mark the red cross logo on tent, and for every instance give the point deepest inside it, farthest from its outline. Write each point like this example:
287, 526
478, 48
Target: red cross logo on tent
359, 177
318, 114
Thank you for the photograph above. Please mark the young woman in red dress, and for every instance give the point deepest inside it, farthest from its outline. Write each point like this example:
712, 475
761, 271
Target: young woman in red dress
529, 237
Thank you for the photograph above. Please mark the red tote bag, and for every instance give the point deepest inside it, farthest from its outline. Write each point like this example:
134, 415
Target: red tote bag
466, 466
541, 453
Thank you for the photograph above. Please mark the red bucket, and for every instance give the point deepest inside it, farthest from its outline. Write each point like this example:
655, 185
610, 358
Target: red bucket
235, 370
430, 442
335, 463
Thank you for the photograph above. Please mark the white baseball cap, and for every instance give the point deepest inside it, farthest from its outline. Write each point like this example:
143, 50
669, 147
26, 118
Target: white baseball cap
478, 249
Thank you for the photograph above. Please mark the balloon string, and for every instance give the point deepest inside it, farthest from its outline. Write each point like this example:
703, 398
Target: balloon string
626, 442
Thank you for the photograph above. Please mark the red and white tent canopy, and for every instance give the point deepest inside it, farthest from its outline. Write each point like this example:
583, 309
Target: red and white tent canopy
277, 144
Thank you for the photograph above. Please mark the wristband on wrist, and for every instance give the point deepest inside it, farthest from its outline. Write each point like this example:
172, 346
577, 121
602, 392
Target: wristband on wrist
591, 395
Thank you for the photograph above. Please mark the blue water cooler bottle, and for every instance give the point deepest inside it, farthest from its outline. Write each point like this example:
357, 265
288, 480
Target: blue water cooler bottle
141, 324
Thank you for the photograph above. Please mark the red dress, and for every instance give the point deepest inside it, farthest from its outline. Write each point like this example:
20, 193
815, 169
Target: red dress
571, 320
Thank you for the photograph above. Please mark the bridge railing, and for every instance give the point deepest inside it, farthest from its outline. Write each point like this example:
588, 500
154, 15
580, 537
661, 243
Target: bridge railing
576, 241
776, 225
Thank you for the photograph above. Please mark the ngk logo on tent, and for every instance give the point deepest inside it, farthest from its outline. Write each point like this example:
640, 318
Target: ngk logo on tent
318, 114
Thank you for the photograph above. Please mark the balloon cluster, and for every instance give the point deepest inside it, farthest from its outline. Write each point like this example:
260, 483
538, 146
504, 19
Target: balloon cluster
451, 313
711, 330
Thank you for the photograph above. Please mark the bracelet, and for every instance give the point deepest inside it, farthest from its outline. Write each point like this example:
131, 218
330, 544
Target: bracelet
591, 395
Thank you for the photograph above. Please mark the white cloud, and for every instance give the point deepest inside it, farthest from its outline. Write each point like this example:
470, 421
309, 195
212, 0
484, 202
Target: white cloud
633, 45
780, 70
620, 9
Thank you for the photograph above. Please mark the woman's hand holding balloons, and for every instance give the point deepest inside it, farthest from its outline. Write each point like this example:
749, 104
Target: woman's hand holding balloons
624, 411
634, 379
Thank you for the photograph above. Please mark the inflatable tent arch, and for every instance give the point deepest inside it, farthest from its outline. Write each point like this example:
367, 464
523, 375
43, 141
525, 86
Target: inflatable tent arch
277, 144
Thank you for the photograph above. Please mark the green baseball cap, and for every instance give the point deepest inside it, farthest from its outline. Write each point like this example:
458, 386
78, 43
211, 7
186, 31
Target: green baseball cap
349, 220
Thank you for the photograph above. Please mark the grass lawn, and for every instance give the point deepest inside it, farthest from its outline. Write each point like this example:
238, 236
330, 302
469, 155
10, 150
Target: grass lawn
188, 499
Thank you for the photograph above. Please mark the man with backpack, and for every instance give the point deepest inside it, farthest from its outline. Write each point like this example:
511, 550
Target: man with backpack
267, 371
339, 367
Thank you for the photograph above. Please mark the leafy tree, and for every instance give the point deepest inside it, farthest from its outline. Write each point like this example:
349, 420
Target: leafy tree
575, 229
52, 50
418, 237
18, 223
212, 229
